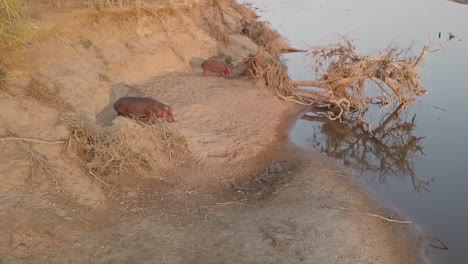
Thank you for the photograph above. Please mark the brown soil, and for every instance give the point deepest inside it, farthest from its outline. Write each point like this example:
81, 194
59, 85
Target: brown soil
239, 193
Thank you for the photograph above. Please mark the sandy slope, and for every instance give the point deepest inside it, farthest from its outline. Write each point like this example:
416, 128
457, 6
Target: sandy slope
240, 194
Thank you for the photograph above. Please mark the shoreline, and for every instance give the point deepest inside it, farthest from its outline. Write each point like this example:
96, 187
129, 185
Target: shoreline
413, 232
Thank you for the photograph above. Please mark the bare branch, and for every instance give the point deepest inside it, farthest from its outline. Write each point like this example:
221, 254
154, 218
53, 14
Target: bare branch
425, 50
33, 140
318, 84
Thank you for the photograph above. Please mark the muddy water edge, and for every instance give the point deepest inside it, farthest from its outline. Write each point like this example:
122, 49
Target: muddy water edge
419, 165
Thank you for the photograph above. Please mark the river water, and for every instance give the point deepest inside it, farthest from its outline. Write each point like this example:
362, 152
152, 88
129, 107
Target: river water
418, 161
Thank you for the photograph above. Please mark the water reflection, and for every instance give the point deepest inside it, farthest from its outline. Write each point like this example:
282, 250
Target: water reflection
389, 151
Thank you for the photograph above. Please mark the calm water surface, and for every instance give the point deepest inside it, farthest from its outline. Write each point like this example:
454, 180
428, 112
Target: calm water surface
418, 160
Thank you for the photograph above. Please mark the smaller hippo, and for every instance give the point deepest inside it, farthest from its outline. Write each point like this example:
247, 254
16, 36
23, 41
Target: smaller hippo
143, 107
217, 67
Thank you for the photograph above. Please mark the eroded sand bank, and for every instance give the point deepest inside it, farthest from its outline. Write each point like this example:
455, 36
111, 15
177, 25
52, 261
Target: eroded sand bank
239, 194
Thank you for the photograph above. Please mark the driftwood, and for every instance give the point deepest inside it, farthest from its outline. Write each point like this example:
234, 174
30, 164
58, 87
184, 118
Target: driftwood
345, 80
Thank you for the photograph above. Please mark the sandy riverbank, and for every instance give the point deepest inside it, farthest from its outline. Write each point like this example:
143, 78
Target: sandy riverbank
236, 191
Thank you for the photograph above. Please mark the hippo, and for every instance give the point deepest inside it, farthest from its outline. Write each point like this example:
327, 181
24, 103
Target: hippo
217, 67
143, 107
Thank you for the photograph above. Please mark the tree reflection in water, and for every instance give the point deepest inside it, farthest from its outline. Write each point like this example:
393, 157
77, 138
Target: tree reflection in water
388, 152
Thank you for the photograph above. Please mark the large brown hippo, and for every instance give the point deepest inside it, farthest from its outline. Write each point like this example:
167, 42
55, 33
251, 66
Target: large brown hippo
217, 67
143, 107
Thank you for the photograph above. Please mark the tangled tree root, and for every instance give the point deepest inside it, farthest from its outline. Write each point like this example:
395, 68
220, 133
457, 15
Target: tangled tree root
343, 78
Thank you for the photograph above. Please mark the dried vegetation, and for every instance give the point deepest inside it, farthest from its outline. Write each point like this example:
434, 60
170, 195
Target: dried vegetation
393, 70
104, 154
245, 12
98, 152
41, 170
264, 36
48, 95
3, 78
100, 4
213, 22
344, 78
15, 29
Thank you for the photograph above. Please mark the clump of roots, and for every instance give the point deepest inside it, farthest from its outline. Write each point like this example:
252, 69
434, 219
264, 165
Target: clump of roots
343, 78
392, 70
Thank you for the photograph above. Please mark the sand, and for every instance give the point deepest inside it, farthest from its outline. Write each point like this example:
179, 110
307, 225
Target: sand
239, 193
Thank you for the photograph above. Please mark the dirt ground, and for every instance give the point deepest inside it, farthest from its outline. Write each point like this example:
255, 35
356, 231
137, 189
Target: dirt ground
280, 213
238, 193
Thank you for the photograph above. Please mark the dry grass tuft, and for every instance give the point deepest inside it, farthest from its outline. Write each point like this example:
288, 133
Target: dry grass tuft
218, 3
15, 29
49, 96
264, 36
243, 10
3, 77
173, 143
266, 67
98, 4
213, 22
104, 155
215, 30
103, 4
40, 167
97, 151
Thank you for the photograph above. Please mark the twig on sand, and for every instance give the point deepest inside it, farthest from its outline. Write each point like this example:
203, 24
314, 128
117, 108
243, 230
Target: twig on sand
373, 215
97, 178
33, 140
224, 204
444, 246
272, 237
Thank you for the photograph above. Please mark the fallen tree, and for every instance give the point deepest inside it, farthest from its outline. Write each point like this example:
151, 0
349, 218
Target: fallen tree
343, 76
